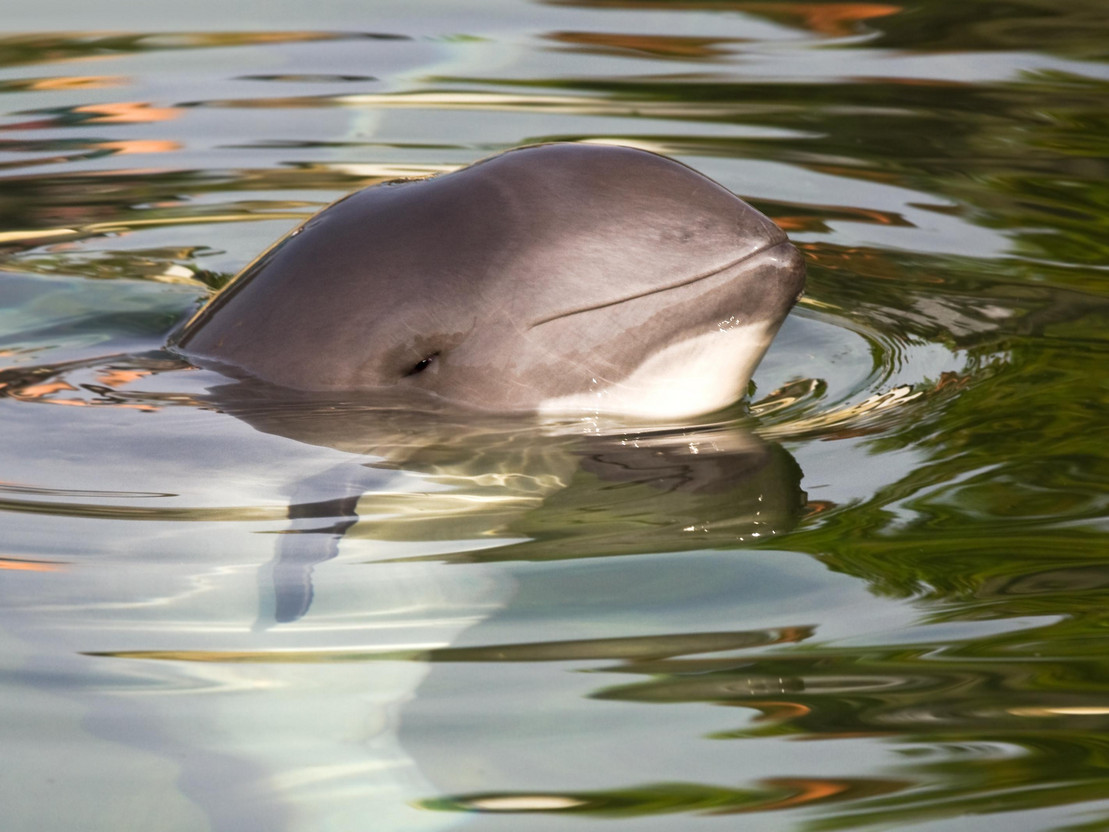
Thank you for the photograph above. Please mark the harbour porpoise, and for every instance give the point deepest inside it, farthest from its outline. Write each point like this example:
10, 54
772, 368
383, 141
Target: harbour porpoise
555, 278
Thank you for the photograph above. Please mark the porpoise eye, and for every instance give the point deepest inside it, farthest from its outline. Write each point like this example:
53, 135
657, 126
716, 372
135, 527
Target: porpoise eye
422, 365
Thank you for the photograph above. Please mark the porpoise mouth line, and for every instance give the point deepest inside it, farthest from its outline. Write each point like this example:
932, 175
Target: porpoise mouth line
688, 281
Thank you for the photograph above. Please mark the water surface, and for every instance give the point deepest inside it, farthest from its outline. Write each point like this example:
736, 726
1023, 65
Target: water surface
872, 595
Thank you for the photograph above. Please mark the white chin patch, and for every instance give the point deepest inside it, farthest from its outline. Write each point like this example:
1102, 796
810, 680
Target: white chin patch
700, 374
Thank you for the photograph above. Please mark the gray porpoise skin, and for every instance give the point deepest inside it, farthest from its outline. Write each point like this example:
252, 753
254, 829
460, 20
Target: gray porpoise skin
552, 278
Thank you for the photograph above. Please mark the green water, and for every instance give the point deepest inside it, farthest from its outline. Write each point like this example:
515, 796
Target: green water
875, 599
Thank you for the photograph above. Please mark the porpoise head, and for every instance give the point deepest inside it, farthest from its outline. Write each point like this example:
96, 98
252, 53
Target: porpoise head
559, 278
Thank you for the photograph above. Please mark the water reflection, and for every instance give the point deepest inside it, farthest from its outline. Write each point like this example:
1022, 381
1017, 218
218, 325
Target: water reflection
597, 637
941, 712
666, 798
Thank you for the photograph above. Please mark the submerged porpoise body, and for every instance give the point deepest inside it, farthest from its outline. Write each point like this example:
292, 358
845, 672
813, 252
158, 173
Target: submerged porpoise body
555, 278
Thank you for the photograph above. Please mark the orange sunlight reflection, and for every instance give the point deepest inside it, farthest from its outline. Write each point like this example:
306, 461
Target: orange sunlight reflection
140, 146
128, 112
77, 82
831, 19
19, 565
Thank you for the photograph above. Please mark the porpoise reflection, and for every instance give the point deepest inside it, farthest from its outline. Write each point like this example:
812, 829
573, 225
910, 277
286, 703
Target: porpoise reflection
557, 278
524, 490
